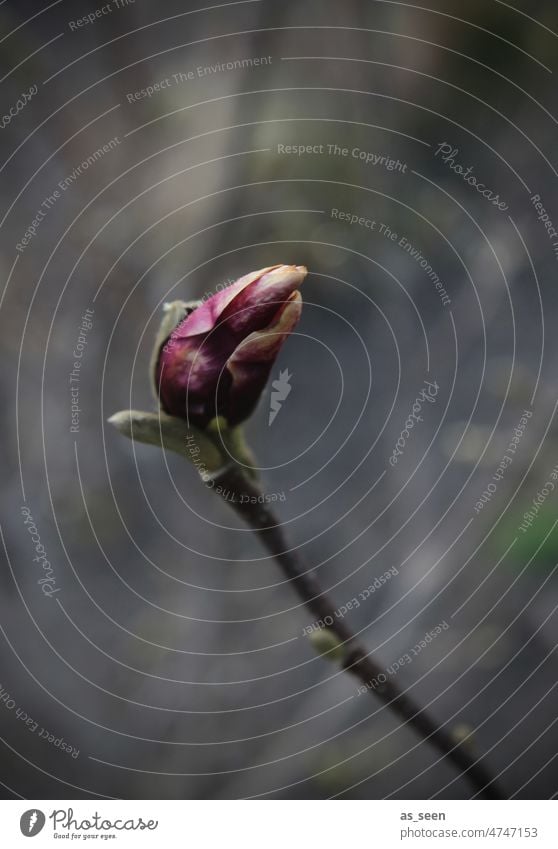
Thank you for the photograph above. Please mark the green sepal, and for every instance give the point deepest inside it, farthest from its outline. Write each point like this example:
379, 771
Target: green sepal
171, 433
233, 445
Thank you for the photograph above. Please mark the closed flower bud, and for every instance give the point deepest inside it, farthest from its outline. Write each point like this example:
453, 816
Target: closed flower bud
217, 360
328, 644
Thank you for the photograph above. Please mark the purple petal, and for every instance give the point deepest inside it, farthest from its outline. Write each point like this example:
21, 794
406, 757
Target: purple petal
206, 316
251, 363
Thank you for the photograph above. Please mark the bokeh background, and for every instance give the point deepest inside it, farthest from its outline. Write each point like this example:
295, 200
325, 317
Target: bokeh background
171, 656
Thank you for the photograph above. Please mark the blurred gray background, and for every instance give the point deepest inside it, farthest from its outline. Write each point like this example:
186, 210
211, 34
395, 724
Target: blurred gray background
172, 654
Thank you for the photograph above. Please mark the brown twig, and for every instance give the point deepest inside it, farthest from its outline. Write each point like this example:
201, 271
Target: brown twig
233, 484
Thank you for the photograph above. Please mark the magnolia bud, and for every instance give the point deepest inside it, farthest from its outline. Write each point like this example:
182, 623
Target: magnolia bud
217, 360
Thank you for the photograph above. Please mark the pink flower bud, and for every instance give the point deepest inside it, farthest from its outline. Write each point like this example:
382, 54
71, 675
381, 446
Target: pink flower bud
217, 361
